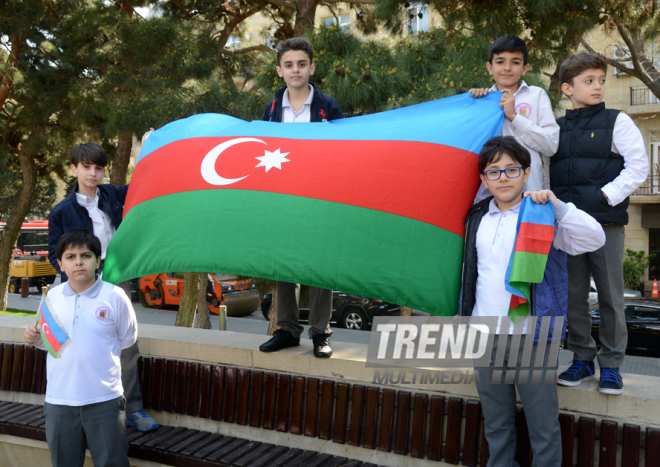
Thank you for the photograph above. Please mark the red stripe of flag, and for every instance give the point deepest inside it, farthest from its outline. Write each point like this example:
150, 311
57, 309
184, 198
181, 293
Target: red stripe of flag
534, 238
410, 179
516, 301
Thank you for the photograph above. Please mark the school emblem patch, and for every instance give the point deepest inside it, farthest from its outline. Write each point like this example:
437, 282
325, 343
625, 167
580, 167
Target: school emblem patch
103, 313
524, 109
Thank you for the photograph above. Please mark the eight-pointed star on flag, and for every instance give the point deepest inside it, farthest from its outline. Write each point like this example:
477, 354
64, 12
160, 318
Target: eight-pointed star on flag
272, 159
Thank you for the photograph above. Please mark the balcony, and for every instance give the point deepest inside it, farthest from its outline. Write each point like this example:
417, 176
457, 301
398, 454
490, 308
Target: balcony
641, 95
650, 187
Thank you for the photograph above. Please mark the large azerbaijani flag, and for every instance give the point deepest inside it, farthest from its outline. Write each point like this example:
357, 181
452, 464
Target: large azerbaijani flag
373, 205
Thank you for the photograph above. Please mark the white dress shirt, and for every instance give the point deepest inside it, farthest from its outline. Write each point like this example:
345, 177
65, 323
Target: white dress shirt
101, 222
536, 128
576, 232
627, 140
291, 116
100, 322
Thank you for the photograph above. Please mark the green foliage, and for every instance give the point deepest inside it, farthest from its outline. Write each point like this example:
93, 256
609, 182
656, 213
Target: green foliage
634, 265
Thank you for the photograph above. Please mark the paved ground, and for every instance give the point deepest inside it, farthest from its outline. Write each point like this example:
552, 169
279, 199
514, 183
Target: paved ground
256, 324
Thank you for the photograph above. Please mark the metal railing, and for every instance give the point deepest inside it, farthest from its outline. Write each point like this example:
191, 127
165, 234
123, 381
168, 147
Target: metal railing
651, 186
641, 95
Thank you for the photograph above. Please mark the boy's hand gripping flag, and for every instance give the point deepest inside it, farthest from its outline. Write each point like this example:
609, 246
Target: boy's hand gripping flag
373, 205
534, 235
54, 337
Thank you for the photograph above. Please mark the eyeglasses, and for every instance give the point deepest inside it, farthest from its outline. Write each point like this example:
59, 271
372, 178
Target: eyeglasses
511, 172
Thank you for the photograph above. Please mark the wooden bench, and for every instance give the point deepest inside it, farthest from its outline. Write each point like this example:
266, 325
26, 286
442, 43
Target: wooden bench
369, 417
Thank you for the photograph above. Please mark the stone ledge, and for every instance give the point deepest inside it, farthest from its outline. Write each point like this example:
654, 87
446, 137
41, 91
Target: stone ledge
639, 404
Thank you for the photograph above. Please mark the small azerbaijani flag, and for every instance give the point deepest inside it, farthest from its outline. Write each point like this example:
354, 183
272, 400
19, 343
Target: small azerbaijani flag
54, 337
534, 235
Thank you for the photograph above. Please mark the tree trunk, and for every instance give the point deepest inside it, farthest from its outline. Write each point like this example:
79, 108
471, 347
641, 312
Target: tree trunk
121, 160
186, 315
305, 15
406, 311
272, 313
202, 306
16, 217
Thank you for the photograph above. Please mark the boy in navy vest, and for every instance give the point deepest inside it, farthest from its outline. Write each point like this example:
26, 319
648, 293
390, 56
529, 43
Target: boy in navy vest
300, 101
601, 161
98, 208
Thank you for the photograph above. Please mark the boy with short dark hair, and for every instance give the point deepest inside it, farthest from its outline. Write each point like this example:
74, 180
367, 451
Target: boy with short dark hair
600, 162
527, 109
504, 167
98, 208
300, 101
84, 394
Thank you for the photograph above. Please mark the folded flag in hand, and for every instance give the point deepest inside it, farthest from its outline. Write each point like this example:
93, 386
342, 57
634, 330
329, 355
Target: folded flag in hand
534, 234
54, 337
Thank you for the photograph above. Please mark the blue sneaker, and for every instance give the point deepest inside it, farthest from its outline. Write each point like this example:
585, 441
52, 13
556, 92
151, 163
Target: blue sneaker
141, 420
611, 381
580, 370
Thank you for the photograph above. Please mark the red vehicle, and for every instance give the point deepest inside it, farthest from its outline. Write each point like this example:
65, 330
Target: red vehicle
240, 296
33, 239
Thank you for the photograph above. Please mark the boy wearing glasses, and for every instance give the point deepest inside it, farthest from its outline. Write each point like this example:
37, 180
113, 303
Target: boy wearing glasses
527, 109
504, 167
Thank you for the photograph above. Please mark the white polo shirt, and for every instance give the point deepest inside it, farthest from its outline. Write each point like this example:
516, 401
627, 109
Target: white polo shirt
100, 322
291, 116
101, 222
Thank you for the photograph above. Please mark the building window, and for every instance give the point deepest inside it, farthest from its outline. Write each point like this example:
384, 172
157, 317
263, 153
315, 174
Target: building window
418, 18
269, 37
233, 42
344, 23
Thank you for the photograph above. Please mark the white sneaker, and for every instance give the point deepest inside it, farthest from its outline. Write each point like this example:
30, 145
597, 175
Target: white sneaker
141, 420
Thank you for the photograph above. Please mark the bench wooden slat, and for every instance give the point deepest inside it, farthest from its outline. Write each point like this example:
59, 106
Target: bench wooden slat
36, 415
205, 391
39, 378
28, 368
630, 457
145, 381
325, 411
239, 452
243, 399
341, 413
453, 442
567, 426
418, 426
608, 433
370, 418
170, 382
214, 446
471, 436
28, 412
172, 438
336, 462
264, 460
524, 447
177, 440
270, 391
201, 444
285, 458
283, 396
652, 446
37, 422
235, 444
311, 406
17, 368
181, 386
255, 398
231, 382
435, 427
183, 444
261, 452
357, 411
192, 404
319, 460
160, 435
297, 404
386, 421
7, 359
402, 423
157, 385
16, 413
217, 395
586, 441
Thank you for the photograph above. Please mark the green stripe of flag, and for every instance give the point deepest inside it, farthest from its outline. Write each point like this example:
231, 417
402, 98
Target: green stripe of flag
352, 249
528, 267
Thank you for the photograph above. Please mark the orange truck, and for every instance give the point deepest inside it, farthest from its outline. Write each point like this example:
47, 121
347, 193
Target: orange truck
240, 296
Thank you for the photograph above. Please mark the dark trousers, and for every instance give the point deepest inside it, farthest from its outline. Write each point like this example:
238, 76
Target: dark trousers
606, 266
320, 309
102, 426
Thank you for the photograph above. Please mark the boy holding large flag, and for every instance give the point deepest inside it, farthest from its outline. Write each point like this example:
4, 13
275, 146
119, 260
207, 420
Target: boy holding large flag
525, 241
84, 324
300, 101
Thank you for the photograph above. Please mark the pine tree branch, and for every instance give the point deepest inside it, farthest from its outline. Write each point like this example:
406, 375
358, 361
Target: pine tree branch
12, 59
261, 47
355, 2
283, 3
332, 10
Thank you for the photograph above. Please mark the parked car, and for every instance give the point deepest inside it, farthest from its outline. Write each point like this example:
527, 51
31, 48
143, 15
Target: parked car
642, 321
348, 311
593, 293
